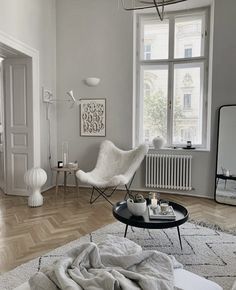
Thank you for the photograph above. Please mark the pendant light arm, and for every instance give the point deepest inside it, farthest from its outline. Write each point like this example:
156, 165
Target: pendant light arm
160, 14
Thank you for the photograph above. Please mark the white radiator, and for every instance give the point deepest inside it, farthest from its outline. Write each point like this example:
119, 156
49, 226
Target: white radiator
169, 171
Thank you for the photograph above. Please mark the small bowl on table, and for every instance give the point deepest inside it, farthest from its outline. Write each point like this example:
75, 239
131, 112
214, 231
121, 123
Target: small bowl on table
136, 208
72, 165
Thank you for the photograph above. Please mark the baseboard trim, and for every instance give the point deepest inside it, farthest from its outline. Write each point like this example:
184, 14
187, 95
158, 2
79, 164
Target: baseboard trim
17, 194
48, 188
176, 192
122, 189
27, 195
154, 190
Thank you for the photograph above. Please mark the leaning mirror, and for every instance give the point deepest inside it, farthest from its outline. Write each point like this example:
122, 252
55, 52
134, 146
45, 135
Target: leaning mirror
226, 156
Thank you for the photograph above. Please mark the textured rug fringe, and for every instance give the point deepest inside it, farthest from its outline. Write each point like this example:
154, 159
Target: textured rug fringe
212, 226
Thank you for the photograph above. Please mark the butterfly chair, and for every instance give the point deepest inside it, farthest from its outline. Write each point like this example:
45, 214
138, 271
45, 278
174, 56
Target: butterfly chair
114, 168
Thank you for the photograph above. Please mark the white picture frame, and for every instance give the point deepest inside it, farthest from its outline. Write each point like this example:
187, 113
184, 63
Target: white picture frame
93, 117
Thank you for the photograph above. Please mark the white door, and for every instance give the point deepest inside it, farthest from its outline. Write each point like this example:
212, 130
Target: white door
19, 122
2, 135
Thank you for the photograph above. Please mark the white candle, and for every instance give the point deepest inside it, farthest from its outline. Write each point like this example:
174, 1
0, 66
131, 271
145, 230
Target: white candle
154, 203
65, 159
227, 172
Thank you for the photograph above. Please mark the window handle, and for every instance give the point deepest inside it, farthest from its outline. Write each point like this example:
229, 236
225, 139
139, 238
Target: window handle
204, 34
170, 104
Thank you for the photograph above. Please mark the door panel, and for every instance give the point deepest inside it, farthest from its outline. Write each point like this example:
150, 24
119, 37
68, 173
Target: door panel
19, 95
19, 167
19, 121
19, 140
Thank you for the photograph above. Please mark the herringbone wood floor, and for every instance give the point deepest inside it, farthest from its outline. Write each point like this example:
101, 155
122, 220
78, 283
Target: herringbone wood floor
26, 233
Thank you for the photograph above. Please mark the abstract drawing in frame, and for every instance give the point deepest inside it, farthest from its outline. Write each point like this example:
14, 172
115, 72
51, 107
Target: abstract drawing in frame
93, 117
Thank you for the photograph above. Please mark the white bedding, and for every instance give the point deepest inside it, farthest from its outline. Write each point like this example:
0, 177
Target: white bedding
121, 260
115, 263
182, 279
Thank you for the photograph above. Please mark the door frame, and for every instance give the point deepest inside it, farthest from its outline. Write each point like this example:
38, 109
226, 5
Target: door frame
34, 55
3, 141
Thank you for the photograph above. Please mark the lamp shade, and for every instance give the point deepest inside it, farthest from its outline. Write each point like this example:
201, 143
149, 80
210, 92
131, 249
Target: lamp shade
35, 178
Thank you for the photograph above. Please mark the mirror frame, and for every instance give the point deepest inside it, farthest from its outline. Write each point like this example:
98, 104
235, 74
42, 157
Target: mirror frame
217, 148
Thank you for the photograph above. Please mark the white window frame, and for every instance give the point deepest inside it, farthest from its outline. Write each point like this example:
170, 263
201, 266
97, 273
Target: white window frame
139, 63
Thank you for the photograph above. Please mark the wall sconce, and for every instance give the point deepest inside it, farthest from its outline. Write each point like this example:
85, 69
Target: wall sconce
48, 98
92, 81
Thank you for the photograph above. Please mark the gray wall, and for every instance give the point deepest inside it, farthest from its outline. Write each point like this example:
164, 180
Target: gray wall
95, 39
34, 23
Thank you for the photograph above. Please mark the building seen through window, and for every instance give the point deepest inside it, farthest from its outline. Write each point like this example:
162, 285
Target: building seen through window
147, 51
188, 52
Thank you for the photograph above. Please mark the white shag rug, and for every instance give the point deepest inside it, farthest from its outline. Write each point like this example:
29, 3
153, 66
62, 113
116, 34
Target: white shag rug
208, 252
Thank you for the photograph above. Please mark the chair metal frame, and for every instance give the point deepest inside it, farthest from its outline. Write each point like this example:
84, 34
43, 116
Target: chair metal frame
106, 196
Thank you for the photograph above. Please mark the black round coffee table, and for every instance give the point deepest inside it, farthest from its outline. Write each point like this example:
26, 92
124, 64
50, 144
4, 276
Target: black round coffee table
122, 214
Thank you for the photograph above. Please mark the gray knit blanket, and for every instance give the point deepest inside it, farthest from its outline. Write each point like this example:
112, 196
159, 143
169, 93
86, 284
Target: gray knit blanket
114, 264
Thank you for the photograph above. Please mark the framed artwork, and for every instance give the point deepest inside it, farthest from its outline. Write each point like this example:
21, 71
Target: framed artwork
93, 117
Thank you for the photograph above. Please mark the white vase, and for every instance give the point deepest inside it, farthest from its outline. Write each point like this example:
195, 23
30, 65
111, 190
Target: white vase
35, 178
136, 208
158, 142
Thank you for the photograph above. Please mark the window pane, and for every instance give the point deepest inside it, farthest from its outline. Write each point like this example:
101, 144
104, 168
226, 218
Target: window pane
155, 39
188, 37
188, 103
155, 87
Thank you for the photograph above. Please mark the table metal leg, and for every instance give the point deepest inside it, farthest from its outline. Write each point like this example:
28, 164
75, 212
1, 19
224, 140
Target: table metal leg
126, 228
65, 177
179, 238
57, 177
76, 183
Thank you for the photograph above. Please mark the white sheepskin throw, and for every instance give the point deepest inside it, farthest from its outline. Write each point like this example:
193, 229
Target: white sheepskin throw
115, 167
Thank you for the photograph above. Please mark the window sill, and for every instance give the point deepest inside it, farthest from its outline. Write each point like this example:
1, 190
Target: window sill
152, 149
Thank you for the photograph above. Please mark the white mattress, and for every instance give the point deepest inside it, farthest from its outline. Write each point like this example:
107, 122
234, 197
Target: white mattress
189, 281
183, 279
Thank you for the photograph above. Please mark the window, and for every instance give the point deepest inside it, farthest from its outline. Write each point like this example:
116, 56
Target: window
187, 101
188, 52
147, 89
147, 51
155, 39
187, 134
173, 58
